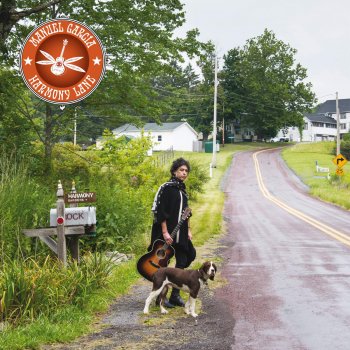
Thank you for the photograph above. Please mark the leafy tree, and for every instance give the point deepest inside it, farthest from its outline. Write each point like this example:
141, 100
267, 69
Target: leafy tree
265, 88
12, 11
139, 40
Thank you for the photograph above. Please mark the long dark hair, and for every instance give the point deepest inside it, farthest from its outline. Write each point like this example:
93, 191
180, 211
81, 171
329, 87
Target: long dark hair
177, 163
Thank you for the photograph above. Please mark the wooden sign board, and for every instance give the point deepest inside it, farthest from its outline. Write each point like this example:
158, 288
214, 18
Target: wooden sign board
80, 197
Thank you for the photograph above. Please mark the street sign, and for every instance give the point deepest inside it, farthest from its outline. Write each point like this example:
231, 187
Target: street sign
339, 172
340, 160
80, 197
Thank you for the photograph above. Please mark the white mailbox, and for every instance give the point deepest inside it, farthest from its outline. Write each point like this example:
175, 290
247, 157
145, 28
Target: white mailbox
75, 216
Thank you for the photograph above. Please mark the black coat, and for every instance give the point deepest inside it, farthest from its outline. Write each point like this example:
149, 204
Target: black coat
168, 210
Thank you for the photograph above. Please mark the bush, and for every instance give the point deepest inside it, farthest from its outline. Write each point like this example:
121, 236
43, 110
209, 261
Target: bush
345, 149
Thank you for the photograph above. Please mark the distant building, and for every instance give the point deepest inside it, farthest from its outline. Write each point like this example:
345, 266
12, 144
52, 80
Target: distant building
179, 136
317, 127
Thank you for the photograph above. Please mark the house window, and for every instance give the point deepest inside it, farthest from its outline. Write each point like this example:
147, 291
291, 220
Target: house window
343, 116
342, 126
318, 124
306, 126
159, 138
331, 126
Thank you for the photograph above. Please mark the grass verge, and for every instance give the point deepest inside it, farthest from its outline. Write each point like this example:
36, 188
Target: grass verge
302, 159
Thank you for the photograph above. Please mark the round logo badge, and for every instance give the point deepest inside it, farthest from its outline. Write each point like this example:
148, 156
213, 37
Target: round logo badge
62, 61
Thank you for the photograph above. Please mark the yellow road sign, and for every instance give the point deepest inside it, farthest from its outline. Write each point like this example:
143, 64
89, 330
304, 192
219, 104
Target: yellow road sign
339, 172
340, 160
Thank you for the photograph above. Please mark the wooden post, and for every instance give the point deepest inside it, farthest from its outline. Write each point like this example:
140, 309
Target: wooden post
61, 239
73, 241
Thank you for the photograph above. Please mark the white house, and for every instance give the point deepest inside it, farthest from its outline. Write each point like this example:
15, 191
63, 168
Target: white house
317, 127
179, 136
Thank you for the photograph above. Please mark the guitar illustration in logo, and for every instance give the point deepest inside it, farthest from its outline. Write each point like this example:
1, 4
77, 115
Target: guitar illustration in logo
59, 64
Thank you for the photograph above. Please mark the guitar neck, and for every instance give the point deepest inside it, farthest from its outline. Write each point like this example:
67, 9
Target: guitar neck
172, 235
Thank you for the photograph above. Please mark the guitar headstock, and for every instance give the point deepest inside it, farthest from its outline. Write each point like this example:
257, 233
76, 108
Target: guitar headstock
186, 214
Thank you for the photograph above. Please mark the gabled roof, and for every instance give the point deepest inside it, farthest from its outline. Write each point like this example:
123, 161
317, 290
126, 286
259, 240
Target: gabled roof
150, 127
329, 106
317, 117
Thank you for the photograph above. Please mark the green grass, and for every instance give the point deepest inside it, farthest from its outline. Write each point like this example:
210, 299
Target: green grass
302, 159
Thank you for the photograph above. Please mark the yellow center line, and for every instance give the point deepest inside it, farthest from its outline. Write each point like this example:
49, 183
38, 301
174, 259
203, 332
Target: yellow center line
345, 239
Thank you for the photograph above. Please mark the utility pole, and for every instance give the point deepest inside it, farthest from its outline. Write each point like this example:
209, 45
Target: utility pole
338, 122
213, 162
75, 127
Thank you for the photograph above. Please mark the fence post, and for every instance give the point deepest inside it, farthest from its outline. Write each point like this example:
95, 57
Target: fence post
61, 239
73, 241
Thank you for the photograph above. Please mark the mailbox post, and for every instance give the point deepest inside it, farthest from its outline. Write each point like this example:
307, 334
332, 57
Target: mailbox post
73, 241
71, 222
61, 239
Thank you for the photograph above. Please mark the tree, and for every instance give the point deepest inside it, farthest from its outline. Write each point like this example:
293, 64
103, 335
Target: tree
264, 87
139, 40
11, 12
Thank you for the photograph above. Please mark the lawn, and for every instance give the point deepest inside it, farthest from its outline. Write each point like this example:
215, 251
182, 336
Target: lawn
301, 158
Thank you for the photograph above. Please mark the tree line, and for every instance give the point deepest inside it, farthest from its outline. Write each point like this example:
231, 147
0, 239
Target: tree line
262, 87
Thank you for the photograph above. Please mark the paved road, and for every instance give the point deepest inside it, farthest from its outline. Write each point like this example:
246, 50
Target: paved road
287, 261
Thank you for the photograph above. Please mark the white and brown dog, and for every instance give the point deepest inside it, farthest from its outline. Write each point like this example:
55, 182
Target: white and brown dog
187, 280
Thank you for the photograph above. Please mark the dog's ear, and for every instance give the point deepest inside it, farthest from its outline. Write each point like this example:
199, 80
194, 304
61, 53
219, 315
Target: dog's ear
205, 266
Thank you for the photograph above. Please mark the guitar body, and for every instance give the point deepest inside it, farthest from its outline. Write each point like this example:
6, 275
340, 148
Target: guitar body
158, 257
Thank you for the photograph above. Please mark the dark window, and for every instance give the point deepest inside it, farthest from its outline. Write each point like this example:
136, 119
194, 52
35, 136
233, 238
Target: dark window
159, 137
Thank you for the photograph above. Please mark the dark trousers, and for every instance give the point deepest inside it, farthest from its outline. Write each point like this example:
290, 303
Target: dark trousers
184, 257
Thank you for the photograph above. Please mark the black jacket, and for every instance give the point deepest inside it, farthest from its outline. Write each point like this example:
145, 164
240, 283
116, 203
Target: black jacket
168, 209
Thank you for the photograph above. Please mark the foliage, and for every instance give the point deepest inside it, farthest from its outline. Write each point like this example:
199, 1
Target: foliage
23, 204
69, 163
264, 86
346, 137
344, 148
15, 129
70, 321
140, 43
29, 289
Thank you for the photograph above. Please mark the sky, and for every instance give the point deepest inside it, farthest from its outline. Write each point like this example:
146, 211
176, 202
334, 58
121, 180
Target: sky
318, 29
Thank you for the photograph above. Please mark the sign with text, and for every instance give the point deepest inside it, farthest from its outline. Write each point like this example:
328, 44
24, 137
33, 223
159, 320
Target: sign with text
74, 217
80, 197
62, 61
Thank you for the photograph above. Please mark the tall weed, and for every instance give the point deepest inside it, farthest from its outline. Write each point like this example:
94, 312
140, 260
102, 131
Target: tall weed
23, 204
29, 289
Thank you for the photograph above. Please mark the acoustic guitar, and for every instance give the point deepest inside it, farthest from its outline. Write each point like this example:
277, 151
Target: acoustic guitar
161, 252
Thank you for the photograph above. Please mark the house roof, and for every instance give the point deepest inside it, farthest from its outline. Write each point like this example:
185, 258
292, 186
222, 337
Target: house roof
150, 127
316, 117
329, 106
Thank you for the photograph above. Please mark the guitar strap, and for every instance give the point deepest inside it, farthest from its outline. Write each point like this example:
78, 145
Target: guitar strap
179, 217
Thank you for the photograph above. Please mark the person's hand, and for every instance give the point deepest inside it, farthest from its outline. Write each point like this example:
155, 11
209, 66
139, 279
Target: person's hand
189, 234
167, 238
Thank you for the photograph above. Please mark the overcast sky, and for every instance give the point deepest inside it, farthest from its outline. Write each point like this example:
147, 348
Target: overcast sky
318, 29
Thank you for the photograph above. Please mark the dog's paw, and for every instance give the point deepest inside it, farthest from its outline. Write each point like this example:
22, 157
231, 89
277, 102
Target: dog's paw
164, 311
146, 312
187, 311
194, 315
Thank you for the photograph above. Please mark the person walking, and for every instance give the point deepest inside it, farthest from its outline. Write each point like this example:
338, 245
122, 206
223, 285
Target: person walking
169, 203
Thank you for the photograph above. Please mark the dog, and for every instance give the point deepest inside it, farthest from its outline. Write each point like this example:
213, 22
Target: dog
187, 280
